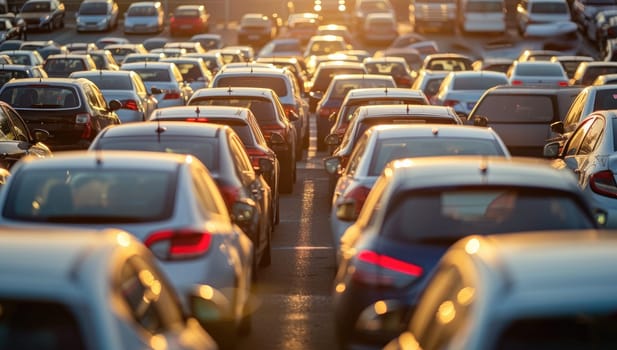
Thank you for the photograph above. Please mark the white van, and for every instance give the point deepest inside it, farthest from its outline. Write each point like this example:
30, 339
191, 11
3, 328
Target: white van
482, 16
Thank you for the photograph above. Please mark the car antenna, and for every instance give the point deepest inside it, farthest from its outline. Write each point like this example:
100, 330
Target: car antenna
386, 90
484, 168
408, 108
229, 90
197, 112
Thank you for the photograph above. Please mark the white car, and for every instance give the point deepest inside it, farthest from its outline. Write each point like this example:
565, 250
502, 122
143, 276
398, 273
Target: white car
164, 81
482, 16
544, 73
541, 11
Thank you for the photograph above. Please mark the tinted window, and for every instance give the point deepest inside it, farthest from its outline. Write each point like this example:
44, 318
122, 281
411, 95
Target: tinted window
275, 83
444, 216
485, 6
93, 8
323, 77
38, 6
6, 75
516, 109
263, 109
187, 13
153, 74
539, 70
348, 110
549, 8
387, 150
605, 99
30, 325
73, 196
46, 96
367, 123
141, 11
110, 82
341, 87
477, 83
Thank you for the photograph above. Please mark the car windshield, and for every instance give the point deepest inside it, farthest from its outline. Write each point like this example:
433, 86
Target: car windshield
446, 215
36, 6
387, 150
141, 11
89, 195
93, 8
262, 108
40, 96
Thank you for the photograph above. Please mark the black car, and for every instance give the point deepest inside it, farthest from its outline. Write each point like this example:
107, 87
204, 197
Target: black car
73, 111
16, 140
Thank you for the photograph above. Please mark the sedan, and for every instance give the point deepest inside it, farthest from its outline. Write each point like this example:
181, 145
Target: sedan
164, 81
550, 74
189, 19
122, 297
43, 14
126, 87
194, 71
420, 207
384, 143
255, 29
167, 201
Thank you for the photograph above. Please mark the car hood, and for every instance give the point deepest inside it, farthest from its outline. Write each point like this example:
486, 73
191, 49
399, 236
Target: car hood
29, 15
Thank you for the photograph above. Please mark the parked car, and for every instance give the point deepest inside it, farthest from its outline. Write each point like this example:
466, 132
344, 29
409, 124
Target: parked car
43, 307
97, 15
164, 81
277, 129
189, 20
222, 152
522, 116
384, 143
72, 111
61, 66
42, 14
137, 103
255, 29
144, 17
167, 201
419, 207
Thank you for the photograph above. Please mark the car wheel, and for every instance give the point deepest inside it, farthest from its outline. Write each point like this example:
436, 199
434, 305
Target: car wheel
287, 177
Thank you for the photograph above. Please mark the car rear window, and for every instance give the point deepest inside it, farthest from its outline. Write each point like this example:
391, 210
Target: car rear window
36, 6
340, 88
42, 325
6, 75
402, 119
549, 8
262, 108
110, 82
40, 96
605, 99
325, 76
446, 215
478, 83
91, 196
152, 74
516, 109
186, 13
390, 149
485, 6
348, 110
543, 70
275, 83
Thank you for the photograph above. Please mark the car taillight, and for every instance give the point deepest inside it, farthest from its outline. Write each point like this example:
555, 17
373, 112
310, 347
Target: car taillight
198, 120
563, 83
255, 154
83, 119
603, 183
130, 104
382, 270
450, 103
178, 244
230, 195
171, 95
358, 196
517, 82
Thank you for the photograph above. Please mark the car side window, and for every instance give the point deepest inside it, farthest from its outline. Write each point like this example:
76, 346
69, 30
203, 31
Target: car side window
577, 137
93, 99
591, 139
357, 155
6, 127
243, 161
203, 191
139, 85
19, 127
574, 114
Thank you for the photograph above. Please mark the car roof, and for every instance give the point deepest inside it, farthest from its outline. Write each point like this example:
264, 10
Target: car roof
381, 92
170, 128
47, 81
376, 111
234, 91
362, 76
432, 130
435, 172
153, 64
106, 72
201, 112
252, 70
530, 90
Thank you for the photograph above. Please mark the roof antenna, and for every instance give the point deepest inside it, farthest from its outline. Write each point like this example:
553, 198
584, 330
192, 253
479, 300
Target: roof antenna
98, 155
386, 90
408, 108
197, 111
229, 89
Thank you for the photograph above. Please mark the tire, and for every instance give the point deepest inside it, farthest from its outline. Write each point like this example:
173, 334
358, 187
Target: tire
287, 177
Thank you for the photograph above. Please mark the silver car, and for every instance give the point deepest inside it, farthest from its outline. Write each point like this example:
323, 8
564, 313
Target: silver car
126, 87
97, 15
144, 17
194, 71
538, 73
168, 201
164, 80
122, 298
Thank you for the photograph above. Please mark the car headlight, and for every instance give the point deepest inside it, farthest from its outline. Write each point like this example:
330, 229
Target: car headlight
102, 21
44, 18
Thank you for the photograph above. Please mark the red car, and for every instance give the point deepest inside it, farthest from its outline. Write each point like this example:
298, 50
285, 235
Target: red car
189, 20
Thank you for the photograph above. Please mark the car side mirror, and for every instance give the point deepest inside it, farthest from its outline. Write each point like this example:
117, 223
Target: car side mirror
557, 127
346, 211
276, 139
292, 116
480, 121
115, 105
243, 212
40, 135
155, 91
551, 149
332, 140
332, 165
265, 166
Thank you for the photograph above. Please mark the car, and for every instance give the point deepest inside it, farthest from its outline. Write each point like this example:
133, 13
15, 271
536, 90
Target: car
584, 11
209, 41
522, 116
592, 140
156, 42
137, 103
540, 11
336, 30
167, 201
429, 81
605, 79
43, 307
412, 57
244, 123
570, 63
194, 71
396, 67
103, 59
313, 62
265, 105
188, 46
587, 72
482, 16
72, 111
379, 28
25, 57
447, 61
170, 51
255, 29
419, 207
331, 10
8, 31
294, 64
78, 47
20, 71
302, 26
11, 44
602, 28
61, 66
498, 300
537, 73
229, 56
384, 143
144, 17
285, 86
103, 42
340, 85
143, 57
538, 55
281, 47
370, 115
42, 14
371, 96
164, 81
221, 151
319, 45
323, 76
461, 90
119, 51
97, 15
189, 20
213, 60
363, 8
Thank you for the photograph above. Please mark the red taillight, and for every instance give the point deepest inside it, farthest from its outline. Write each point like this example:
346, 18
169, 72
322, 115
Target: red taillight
198, 120
178, 244
358, 196
517, 82
379, 269
603, 183
130, 104
563, 83
83, 119
172, 20
230, 195
450, 103
255, 154
171, 95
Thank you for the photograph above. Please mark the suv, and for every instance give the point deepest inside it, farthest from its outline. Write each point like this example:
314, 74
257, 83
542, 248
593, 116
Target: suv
284, 84
73, 111
61, 66
97, 15
522, 116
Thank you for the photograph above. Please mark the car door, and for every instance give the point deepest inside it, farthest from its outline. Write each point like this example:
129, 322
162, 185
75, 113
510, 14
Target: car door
148, 101
579, 153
